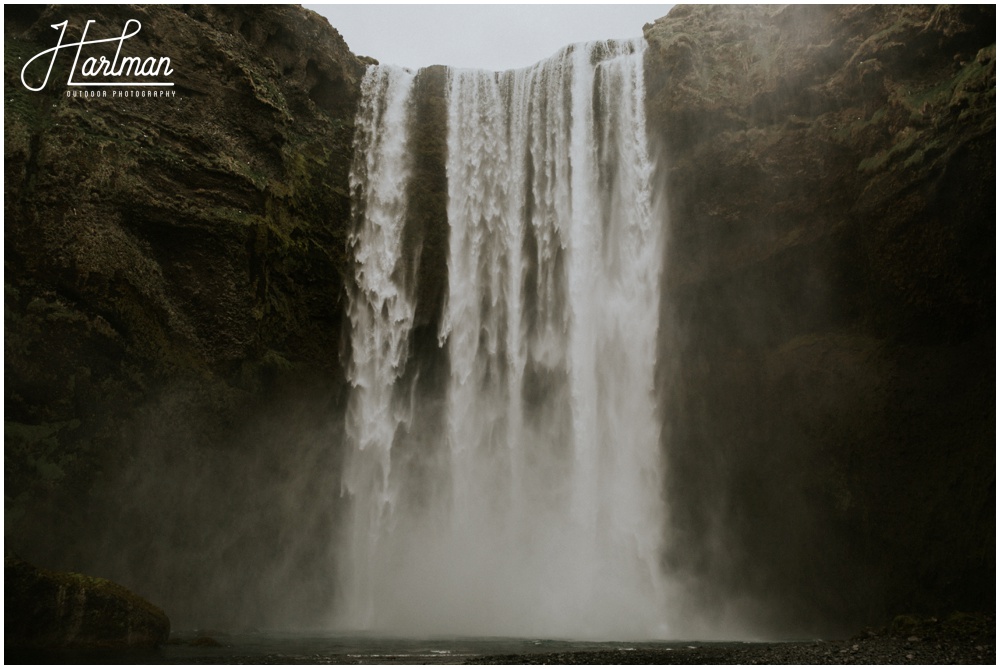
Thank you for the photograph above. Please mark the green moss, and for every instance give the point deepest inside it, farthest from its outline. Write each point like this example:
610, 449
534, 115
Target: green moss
54, 609
905, 144
972, 627
234, 216
964, 94
39, 449
311, 200
267, 91
54, 310
973, 76
276, 361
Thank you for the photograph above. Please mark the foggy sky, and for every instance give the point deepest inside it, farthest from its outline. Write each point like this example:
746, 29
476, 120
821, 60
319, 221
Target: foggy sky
493, 37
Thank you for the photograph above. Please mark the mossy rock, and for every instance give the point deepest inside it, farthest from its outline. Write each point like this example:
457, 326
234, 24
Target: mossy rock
959, 626
50, 609
905, 625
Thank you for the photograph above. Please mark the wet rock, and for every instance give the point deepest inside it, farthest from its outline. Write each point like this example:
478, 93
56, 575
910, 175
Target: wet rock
830, 175
50, 609
192, 242
174, 275
881, 648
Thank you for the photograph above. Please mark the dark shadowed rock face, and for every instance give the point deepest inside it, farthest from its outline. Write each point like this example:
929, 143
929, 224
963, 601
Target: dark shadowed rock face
47, 609
828, 330
174, 288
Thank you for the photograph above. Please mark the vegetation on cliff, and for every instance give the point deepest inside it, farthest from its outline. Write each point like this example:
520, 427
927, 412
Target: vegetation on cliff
829, 174
174, 273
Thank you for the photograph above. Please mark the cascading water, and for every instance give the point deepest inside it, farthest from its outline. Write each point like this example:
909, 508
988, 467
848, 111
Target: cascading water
381, 314
543, 514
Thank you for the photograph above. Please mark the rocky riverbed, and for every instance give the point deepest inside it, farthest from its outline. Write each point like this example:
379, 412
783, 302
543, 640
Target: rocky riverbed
868, 651
956, 639
959, 639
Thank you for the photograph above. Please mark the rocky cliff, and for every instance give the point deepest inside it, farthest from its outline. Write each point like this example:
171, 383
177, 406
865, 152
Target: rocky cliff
828, 331
174, 276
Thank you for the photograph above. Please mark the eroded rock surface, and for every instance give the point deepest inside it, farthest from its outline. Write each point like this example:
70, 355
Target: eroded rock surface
174, 293
828, 338
48, 609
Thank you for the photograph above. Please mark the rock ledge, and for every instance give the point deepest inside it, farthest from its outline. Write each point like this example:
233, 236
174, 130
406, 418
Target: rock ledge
51, 609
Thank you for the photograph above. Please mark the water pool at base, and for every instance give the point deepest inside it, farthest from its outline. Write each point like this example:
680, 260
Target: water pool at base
316, 648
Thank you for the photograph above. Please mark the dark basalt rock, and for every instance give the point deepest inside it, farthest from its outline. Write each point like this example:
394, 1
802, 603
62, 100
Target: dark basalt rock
174, 290
50, 609
828, 323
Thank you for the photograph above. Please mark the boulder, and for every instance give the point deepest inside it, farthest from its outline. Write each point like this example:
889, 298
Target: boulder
53, 609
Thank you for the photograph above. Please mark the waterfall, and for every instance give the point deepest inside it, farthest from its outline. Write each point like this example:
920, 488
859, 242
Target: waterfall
381, 315
543, 513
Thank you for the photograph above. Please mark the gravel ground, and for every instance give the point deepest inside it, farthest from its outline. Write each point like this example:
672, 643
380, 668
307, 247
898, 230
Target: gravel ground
960, 639
821, 652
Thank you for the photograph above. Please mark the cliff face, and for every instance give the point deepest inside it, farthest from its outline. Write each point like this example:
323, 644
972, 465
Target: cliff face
174, 278
828, 332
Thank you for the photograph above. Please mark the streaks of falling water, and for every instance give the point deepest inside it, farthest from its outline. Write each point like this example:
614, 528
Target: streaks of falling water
381, 316
550, 514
